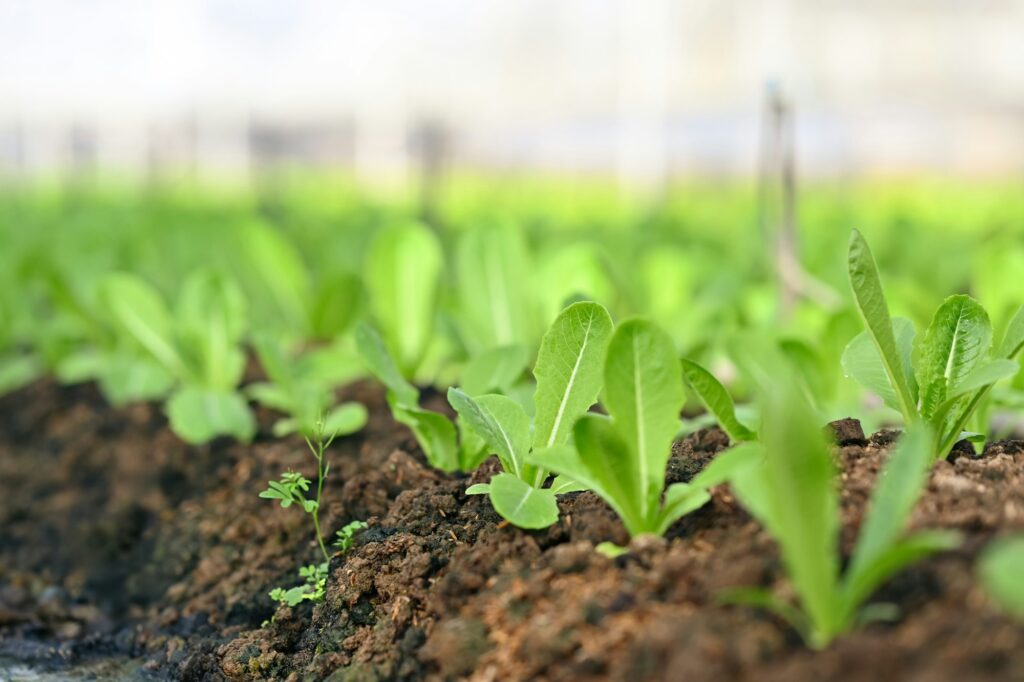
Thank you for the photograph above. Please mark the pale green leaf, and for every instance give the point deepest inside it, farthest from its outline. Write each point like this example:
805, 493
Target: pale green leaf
870, 299
717, 401
680, 500
643, 392
403, 267
200, 415
494, 370
956, 341
279, 270
345, 419
521, 504
503, 425
434, 432
379, 362
211, 316
1013, 339
568, 370
494, 297
140, 311
862, 362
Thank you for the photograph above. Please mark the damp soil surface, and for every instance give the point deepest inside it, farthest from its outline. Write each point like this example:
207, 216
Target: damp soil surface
124, 551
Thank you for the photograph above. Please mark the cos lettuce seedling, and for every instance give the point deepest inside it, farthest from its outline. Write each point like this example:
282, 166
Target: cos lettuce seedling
199, 345
568, 373
622, 457
717, 401
437, 435
940, 380
793, 494
299, 390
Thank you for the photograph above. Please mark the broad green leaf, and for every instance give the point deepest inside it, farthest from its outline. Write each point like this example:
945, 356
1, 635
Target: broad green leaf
867, 292
1013, 339
956, 341
472, 448
568, 370
1000, 569
402, 270
345, 419
434, 432
503, 425
380, 363
336, 303
563, 484
125, 378
895, 493
521, 504
643, 392
862, 362
985, 374
494, 297
211, 315
494, 370
479, 489
140, 311
280, 270
601, 462
200, 415
273, 358
717, 401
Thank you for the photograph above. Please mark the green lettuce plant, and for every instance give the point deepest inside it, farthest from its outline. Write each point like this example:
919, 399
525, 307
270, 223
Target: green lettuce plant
717, 401
298, 388
622, 457
568, 374
792, 491
199, 344
447, 445
942, 379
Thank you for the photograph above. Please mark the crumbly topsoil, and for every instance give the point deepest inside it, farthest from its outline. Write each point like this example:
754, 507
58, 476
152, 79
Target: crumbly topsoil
118, 540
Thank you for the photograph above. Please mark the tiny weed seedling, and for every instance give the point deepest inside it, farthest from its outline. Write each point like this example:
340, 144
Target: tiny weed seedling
568, 373
200, 346
943, 379
293, 489
622, 457
792, 492
1001, 569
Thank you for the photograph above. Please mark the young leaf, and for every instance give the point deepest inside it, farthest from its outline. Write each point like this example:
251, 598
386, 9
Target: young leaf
862, 361
279, 269
568, 370
491, 265
140, 310
494, 370
211, 316
433, 431
1000, 569
199, 415
956, 341
717, 401
503, 425
521, 503
644, 395
1013, 339
380, 363
401, 276
344, 419
867, 291
793, 495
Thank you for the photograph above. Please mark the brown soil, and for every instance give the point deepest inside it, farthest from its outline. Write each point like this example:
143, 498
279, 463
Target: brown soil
115, 538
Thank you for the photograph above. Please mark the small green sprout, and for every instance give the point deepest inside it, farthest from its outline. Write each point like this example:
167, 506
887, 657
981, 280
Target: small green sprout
622, 457
793, 493
344, 537
568, 373
942, 379
315, 577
